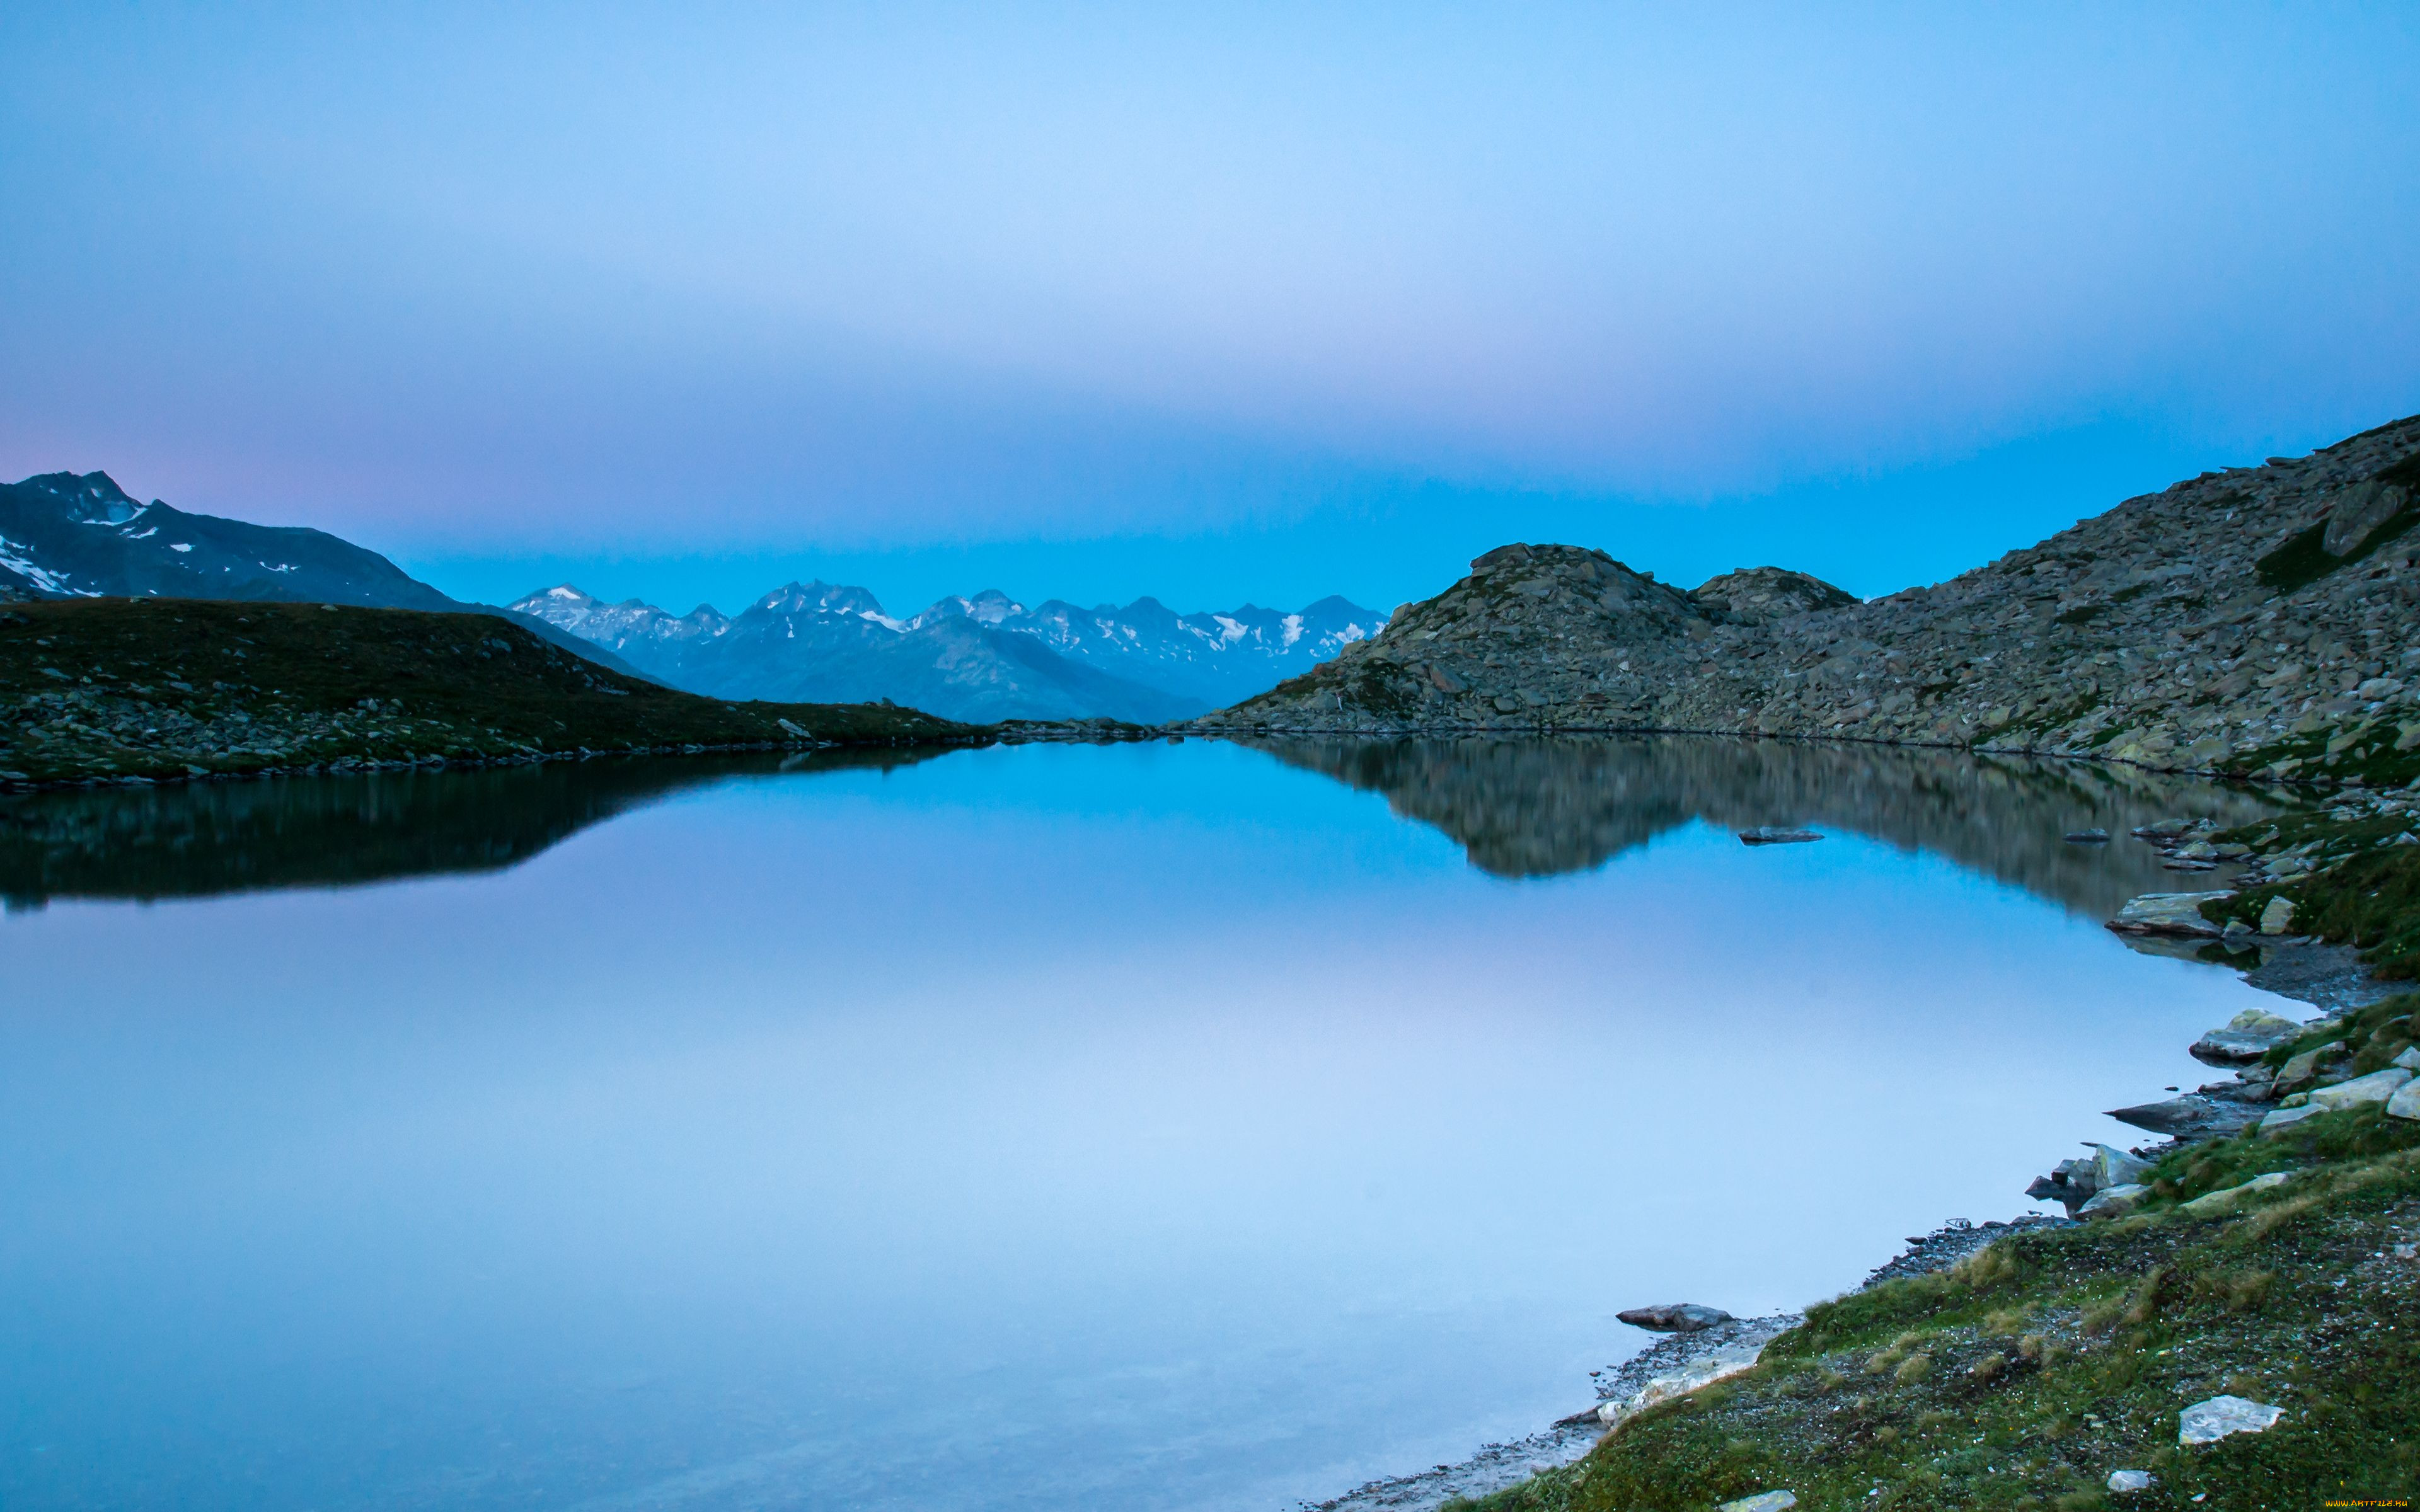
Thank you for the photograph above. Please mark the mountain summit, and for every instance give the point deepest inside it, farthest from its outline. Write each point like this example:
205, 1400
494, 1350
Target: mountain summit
981, 658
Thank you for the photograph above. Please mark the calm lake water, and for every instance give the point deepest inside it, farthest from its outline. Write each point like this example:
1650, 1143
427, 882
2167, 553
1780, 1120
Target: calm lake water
1172, 1126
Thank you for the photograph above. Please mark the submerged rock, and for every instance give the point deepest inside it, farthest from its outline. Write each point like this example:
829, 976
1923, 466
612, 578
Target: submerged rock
2088, 837
2206, 1422
1675, 1317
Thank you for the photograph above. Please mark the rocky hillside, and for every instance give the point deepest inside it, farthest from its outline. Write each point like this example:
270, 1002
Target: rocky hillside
2258, 619
142, 690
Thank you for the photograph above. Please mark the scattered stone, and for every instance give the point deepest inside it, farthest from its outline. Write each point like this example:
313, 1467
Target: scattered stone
2405, 1103
2278, 917
2227, 1200
2126, 1482
1675, 1318
1763, 1502
2206, 1422
1777, 835
2409, 1058
2167, 913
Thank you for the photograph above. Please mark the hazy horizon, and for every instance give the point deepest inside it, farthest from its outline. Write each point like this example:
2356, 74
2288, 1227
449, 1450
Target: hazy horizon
1238, 306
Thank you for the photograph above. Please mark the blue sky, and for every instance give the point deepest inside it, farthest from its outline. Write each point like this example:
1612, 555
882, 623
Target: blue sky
1241, 303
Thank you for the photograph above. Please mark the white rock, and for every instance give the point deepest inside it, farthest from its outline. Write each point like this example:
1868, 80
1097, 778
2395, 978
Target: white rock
2285, 1118
1762, 1501
2409, 1059
2113, 1202
2278, 916
2224, 1200
2405, 1103
2377, 1086
1703, 1371
2124, 1481
2211, 1421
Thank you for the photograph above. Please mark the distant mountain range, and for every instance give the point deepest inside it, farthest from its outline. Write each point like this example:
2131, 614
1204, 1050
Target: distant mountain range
985, 657
980, 658
80, 535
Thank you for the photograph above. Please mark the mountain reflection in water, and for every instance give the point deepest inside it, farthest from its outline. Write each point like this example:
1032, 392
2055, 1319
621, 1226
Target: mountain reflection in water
1531, 808
206, 838
1520, 808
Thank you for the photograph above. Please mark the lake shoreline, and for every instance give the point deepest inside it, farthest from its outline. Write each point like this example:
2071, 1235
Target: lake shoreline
2331, 978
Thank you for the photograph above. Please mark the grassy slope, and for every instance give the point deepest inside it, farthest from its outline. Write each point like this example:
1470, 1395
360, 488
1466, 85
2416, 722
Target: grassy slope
156, 688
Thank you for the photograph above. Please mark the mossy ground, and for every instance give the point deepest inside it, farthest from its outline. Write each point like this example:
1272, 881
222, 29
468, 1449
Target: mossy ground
157, 687
2025, 1375
2365, 891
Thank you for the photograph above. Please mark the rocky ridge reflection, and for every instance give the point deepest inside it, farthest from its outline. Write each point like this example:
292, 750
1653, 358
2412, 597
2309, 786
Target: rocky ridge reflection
205, 839
1529, 808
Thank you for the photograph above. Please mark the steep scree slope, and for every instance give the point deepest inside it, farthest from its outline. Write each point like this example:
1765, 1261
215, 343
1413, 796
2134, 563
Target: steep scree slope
2254, 619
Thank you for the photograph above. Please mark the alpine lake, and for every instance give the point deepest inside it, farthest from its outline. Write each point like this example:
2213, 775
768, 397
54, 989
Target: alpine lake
1174, 1126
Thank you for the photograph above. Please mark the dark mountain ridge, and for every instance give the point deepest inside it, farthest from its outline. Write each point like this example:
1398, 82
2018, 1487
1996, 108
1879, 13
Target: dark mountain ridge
80, 535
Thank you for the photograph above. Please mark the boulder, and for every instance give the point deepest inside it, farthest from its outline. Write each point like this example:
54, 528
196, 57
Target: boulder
2278, 916
2169, 912
2113, 1201
2228, 1200
1674, 1317
2405, 1103
2247, 1037
1703, 1371
2409, 1058
2126, 1482
2116, 1167
2285, 1118
2206, 1422
2377, 1086
1763, 1502
2303, 1070
2191, 1117
1777, 835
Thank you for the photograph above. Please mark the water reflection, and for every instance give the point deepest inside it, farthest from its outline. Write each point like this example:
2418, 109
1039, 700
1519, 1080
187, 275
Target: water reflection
212, 838
1164, 1128
1540, 807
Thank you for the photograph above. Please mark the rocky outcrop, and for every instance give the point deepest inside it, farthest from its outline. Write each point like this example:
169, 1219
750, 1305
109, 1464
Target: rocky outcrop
1674, 1317
2209, 627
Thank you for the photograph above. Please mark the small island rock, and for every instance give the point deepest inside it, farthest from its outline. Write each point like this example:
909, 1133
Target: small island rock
1674, 1317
